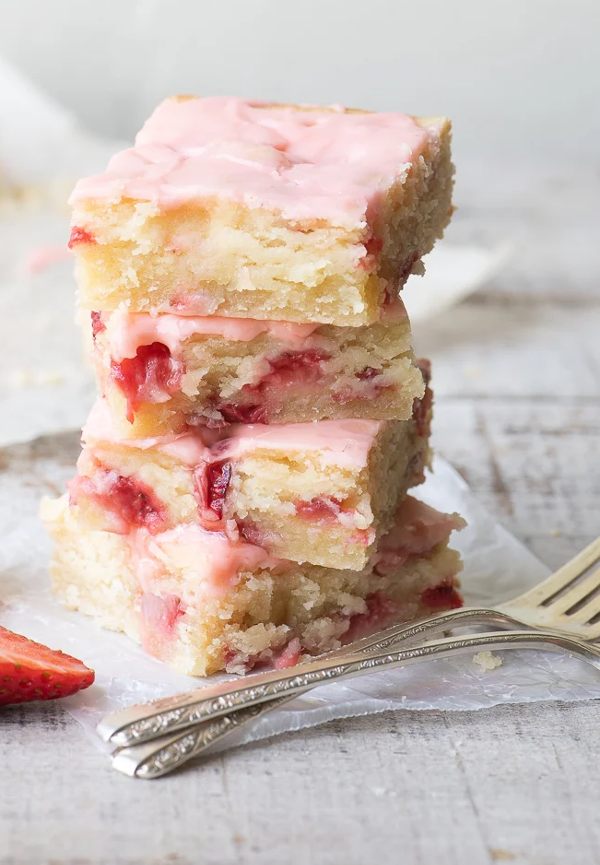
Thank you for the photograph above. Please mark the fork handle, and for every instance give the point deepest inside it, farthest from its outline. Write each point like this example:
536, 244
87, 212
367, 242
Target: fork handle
161, 756
140, 723
205, 735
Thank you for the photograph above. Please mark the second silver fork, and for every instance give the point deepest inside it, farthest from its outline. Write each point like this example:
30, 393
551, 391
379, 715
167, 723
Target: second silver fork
562, 601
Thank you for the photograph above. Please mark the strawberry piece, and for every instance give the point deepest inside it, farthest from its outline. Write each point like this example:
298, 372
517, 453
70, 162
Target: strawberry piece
97, 324
251, 533
234, 413
130, 503
135, 504
294, 365
287, 368
381, 611
30, 671
368, 373
425, 366
322, 509
80, 235
444, 596
212, 482
290, 655
374, 245
151, 376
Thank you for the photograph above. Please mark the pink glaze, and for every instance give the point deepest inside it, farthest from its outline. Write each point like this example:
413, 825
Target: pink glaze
126, 332
161, 613
393, 311
417, 530
158, 617
290, 655
206, 562
307, 164
346, 443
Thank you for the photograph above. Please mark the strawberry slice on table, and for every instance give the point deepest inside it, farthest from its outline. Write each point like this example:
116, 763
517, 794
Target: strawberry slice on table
31, 671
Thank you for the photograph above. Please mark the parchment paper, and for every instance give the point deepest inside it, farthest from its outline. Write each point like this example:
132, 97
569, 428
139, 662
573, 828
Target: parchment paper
496, 567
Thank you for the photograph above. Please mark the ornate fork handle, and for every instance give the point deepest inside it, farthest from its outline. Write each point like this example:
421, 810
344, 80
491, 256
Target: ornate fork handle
155, 758
147, 721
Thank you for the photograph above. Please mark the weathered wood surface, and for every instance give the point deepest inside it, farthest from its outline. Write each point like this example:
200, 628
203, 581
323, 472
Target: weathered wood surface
517, 371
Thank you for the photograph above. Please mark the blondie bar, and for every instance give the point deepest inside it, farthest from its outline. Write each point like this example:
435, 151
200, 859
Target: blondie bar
204, 603
253, 210
321, 493
165, 373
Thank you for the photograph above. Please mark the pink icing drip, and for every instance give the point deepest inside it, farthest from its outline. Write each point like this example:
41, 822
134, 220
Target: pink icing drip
206, 562
306, 164
210, 561
346, 443
126, 332
417, 529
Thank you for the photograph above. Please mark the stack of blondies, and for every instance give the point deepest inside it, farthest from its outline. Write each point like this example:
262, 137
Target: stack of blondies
241, 496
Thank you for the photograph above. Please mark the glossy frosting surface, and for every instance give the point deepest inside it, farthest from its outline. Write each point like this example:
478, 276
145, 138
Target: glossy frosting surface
345, 443
126, 331
306, 164
210, 561
213, 562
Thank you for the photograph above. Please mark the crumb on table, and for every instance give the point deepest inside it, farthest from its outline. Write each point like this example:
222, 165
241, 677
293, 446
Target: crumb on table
487, 661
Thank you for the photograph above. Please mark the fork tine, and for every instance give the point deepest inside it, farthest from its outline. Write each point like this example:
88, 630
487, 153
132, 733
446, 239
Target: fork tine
574, 595
587, 612
589, 607
563, 576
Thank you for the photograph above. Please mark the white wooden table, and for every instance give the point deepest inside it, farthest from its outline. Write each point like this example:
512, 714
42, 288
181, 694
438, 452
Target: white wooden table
517, 373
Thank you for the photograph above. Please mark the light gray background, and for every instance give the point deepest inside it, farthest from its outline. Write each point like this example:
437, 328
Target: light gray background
520, 78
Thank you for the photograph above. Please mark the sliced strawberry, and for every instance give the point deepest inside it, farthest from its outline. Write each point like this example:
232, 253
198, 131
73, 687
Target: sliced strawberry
295, 366
444, 596
151, 376
289, 368
380, 612
31, 671
368, 373
322, 509
80, 235
246, 414
98, 325
373, 245
212, 483
131, 503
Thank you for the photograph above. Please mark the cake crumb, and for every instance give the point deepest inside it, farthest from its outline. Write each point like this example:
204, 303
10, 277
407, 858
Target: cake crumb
487, 661
498, 854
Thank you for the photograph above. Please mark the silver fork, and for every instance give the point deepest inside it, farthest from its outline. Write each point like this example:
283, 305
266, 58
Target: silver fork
563, 601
